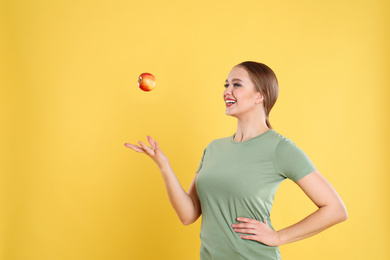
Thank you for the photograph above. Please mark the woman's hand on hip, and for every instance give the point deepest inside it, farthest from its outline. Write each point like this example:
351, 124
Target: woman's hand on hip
153, 151
257, 231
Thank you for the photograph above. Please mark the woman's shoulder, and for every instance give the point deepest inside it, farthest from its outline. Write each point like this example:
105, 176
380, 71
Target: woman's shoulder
285, 146
218, 141
281, 138
280, 142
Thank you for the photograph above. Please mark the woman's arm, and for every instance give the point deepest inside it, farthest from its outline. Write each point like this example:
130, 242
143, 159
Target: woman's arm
331, 210
186, 205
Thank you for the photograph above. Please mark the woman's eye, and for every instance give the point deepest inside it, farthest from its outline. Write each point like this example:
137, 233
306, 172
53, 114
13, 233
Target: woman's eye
235, 84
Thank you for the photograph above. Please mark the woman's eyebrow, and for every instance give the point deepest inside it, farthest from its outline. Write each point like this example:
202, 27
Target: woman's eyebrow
235, 79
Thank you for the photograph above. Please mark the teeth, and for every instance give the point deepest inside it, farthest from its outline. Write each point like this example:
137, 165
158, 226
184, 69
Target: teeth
230, 102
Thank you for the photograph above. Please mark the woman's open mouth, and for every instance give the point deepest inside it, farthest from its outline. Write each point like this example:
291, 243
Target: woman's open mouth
230, 103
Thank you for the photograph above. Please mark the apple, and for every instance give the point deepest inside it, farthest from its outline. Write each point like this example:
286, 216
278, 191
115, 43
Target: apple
146, 81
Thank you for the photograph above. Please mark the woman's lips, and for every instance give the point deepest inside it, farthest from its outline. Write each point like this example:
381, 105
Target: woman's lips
229, 105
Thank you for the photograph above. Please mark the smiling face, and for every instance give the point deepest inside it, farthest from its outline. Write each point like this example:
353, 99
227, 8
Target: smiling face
240, 88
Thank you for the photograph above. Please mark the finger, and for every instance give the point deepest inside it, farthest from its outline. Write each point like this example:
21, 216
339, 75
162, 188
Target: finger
135, 147
157, 146
243, 225
151, 142
247, 220
250, 237
245, 231
146, 148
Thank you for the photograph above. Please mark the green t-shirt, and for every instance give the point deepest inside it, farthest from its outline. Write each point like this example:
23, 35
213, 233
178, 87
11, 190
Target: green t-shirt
240, 179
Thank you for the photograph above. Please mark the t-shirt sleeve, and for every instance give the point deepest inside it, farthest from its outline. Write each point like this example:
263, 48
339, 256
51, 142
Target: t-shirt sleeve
201, 161
291, 161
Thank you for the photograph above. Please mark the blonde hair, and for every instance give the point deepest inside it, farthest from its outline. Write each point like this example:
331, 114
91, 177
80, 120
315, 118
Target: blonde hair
265, 82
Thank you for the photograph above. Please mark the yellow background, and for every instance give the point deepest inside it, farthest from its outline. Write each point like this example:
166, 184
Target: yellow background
69, 101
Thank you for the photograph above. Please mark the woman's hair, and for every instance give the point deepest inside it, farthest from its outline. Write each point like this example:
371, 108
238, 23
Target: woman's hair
265, 81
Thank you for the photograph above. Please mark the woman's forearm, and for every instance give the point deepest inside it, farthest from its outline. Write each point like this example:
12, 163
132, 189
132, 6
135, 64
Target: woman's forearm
316, 222
187, 210
186, 205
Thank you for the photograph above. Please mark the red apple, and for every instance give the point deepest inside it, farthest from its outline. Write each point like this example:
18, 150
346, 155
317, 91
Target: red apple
146, 81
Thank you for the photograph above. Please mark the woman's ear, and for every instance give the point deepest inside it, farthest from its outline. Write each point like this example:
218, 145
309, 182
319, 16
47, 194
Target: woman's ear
259, 98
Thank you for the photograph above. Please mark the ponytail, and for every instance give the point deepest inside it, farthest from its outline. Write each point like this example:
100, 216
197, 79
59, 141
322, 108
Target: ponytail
268, 123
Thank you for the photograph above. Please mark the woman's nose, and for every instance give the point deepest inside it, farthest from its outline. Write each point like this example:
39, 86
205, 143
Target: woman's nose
226, 93
228, 90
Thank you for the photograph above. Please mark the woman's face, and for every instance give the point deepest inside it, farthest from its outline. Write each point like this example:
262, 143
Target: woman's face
240, 88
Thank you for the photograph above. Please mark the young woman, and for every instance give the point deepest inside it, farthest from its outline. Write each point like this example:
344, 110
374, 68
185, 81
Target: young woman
238, 176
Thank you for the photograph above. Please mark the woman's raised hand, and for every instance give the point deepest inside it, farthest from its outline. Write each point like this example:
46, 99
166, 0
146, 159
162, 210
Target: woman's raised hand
153, 151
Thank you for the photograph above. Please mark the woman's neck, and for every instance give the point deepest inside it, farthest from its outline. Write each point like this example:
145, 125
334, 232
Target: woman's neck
247, 129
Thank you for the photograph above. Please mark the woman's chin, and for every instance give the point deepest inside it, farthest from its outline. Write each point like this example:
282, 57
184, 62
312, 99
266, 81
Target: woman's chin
229, 114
